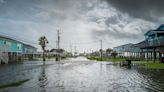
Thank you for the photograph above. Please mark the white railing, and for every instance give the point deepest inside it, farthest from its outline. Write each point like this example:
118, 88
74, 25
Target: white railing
156, 42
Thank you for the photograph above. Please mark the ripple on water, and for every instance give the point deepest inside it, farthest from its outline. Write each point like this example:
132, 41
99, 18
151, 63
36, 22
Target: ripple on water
78, 76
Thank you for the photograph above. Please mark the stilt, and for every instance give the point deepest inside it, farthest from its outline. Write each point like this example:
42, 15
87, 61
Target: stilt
154, 55
147, 55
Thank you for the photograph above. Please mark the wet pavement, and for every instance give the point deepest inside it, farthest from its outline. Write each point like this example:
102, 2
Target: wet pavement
80, 75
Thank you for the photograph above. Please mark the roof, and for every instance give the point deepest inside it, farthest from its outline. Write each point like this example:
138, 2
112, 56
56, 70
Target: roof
14, 39
9, 38
141, 44
154, 31
160, 29
129, 44
29, 46
57, 50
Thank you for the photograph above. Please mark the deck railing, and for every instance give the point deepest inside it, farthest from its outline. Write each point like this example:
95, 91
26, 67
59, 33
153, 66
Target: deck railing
156, 42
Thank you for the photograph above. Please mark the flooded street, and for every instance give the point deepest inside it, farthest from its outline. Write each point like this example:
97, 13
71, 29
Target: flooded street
80, 75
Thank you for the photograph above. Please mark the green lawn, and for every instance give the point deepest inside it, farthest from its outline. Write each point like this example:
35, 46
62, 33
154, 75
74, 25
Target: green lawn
13, 84
150, 64
107, 59
146, 64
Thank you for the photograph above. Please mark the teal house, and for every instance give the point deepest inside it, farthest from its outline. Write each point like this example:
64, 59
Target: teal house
12, 50
155, 38
11, 44
152, 48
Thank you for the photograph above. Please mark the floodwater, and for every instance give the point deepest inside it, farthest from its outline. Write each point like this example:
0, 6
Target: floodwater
80, 75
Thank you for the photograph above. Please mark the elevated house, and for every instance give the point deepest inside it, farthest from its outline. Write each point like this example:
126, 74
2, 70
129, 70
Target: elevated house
127, 50
12, 50
152, 48
153, 45
29, 52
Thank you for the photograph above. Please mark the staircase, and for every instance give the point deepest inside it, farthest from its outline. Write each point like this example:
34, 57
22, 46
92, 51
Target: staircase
4, 59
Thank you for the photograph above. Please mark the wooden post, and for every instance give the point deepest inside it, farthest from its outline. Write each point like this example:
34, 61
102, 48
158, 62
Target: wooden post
160, 55
147, 55
151, 55
154, 55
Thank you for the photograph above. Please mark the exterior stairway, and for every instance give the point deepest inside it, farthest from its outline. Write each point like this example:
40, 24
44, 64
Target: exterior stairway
4, 59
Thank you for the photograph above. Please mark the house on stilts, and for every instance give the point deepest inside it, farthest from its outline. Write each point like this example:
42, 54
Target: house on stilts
152, 48
13, 50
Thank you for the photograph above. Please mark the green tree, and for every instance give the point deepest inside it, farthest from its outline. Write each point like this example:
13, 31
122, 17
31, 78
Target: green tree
114, 54
43, 42
108, 51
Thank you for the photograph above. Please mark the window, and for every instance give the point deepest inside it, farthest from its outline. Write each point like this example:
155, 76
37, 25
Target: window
19, 46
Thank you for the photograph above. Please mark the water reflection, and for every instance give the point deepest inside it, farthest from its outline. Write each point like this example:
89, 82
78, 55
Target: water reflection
154, 79
43, 80
83, 76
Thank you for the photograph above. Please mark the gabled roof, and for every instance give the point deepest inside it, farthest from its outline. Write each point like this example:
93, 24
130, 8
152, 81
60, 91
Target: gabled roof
149, 32
129, 44
153, 32
160, 29
142, 44
16, 40
9, 38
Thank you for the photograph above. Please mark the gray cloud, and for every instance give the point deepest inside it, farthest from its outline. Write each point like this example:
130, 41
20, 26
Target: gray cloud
146, 9
81, 21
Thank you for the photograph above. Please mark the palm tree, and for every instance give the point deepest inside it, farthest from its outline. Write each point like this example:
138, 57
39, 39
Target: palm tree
43, 41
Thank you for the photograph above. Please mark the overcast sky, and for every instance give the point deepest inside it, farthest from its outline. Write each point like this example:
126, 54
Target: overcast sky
83, 23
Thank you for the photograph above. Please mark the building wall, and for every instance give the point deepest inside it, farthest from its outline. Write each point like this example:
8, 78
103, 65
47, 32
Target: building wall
126, 50
29, 50
15, 50
13, 45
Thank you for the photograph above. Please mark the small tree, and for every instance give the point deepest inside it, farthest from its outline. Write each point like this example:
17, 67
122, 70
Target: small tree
101, 54
108, 51
43, 42
114, 54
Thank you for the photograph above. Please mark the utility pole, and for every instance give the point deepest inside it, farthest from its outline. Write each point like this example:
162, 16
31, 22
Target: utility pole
71, 49
58, 45
58, 39
101, 49
75, 51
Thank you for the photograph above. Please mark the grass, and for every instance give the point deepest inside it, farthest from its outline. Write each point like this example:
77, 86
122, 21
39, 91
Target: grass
106, 59
150, 64
145, 64
155, 65
13, 84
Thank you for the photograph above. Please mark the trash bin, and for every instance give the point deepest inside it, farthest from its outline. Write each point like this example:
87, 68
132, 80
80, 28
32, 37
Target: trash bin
162, 60
128, 62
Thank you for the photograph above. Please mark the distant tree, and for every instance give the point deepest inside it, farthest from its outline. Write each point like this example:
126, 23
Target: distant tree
101, 51
108, 51
114, 54
43, 42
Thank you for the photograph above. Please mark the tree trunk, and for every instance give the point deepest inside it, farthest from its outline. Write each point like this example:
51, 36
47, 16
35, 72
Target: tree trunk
44, 56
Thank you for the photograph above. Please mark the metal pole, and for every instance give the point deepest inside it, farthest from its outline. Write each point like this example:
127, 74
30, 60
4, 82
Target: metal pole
75, 52
71, 49
101, 49
58, 56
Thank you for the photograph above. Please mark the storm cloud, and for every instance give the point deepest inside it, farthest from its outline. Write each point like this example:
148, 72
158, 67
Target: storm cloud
80, 21
152, 10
